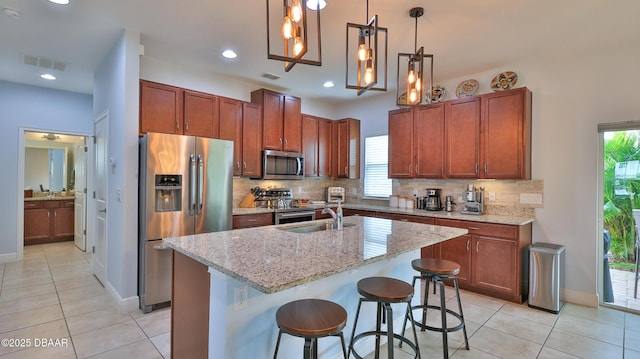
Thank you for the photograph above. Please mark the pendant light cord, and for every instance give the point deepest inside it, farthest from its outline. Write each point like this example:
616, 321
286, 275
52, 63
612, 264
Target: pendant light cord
415, 37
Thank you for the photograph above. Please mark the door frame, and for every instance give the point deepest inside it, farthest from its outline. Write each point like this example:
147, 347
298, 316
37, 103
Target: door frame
20, 189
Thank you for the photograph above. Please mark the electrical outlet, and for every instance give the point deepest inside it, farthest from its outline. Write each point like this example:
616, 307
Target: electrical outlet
241, 298
119, 194
492, 196
531, 198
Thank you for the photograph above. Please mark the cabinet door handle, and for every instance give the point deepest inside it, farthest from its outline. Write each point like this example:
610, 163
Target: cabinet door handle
48, 214
474, 228
476, 167
286, 142
280, 140
238, 164
416, 169
477, 247
177, 125
186, 126
468, 244
55, 213
346, 169
244, 165
485, 167
252, 220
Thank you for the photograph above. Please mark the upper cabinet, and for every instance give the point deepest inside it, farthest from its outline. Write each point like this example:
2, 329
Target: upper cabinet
281, 119
416, 142
240, 122
487, 136
201, 117
170, 109
347, 149
316, 146
160, 108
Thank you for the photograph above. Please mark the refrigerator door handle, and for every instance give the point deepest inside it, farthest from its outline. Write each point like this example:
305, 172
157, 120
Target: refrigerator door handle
200, 184
193, 184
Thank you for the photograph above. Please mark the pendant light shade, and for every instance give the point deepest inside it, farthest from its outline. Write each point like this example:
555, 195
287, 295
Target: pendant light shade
412, 82
292, 35
366, 56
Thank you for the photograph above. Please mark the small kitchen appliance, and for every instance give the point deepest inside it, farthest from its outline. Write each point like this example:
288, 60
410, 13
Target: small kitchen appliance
474, 200
448, 204
335, 194
432, 201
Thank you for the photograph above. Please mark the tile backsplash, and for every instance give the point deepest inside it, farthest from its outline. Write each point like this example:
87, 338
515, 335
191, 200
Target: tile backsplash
507, 192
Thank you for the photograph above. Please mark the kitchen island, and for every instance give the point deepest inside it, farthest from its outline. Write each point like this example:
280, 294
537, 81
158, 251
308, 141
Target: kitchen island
251, 272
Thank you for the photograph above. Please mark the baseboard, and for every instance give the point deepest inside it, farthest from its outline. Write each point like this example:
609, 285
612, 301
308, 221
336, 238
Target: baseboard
580, 298
124, 305
8, 258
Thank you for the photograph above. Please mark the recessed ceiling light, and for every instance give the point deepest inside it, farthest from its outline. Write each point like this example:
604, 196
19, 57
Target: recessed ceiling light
313, 4
328, 84
60, 2
229, 54
48, 76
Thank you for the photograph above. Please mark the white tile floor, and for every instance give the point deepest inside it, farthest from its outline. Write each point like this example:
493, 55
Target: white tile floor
52, 295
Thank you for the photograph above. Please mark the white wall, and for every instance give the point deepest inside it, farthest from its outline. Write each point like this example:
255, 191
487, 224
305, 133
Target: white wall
31, 107
570, 97
116, 90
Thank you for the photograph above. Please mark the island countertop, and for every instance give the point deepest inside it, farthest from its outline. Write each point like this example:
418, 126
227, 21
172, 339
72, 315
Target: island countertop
271, 259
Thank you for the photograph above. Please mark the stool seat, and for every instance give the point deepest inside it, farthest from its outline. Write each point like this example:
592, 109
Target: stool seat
436, 266
383, 289
311, 318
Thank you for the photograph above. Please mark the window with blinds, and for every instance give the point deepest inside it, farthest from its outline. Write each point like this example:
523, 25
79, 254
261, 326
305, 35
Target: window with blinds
376, 160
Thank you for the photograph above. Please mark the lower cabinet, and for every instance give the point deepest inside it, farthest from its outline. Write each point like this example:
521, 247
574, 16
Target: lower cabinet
48, 221
252, 220
493, 258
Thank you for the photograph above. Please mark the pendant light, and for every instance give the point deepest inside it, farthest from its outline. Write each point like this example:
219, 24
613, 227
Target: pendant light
291, 43
367, 65
410, 87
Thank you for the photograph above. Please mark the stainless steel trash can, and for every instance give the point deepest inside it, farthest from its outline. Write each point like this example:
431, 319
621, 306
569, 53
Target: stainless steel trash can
545, 269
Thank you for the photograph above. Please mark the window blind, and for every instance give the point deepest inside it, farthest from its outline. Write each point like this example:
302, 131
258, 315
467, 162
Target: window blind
376, 159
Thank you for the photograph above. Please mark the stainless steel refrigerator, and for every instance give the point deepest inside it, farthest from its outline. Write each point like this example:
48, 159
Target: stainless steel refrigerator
186, 187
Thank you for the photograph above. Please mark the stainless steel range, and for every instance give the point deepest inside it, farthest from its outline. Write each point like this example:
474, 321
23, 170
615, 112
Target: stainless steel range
280, 200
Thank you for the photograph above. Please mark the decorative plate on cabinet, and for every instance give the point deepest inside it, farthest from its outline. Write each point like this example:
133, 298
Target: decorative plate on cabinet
436, 94
504, 81
467, 88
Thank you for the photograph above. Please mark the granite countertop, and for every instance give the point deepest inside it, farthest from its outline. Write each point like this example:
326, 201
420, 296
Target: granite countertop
488, 218
270, 259
52, 198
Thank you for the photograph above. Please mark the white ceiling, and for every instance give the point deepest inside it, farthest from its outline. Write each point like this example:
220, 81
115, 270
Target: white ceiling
465, 36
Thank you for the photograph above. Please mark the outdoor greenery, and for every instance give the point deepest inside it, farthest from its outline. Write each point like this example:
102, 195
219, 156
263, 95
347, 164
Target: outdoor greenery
620, 193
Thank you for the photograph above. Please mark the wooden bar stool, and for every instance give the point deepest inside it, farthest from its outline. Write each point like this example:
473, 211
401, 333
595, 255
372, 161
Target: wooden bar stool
436, 270
385, 291
311, 319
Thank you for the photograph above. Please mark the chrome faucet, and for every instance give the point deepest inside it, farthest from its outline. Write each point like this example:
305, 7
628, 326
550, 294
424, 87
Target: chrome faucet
337, 216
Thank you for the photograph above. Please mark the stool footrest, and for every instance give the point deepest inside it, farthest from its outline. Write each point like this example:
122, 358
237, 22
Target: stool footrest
438, 329
384, 334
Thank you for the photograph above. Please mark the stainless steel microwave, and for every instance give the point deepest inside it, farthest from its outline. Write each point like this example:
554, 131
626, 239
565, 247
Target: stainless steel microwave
283, 165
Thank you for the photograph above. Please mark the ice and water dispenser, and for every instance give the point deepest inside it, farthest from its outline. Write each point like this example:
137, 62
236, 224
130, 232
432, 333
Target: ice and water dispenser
168, 189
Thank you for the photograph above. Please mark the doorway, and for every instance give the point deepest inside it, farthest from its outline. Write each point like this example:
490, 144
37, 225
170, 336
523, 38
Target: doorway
620, 188
52, 167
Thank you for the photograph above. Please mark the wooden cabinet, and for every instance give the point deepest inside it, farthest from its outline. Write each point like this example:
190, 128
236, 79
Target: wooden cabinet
316, 146
493, 257
506, 135
240, 122
201, 115
160, 108
358, 212
347, 149
170, 109
252, 220
489, 136
462, 143
416, 142
48, 221
281, 119
310, 145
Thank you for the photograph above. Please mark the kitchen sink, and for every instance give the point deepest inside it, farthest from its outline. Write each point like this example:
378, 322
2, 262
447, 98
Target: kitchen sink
314, 227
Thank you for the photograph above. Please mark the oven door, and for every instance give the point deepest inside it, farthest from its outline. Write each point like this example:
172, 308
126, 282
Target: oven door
294, 216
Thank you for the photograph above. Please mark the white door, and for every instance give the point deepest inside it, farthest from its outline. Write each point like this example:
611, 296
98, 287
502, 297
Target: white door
80, 202
100, 173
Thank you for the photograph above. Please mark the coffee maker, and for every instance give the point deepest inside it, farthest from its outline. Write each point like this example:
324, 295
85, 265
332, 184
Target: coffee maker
432, 201
474, 200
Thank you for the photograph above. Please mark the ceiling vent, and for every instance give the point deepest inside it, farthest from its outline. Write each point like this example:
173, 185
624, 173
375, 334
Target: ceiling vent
44, 62
270, 76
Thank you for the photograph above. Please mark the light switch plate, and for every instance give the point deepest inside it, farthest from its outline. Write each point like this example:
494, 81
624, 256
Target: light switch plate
241, 298
492, 196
